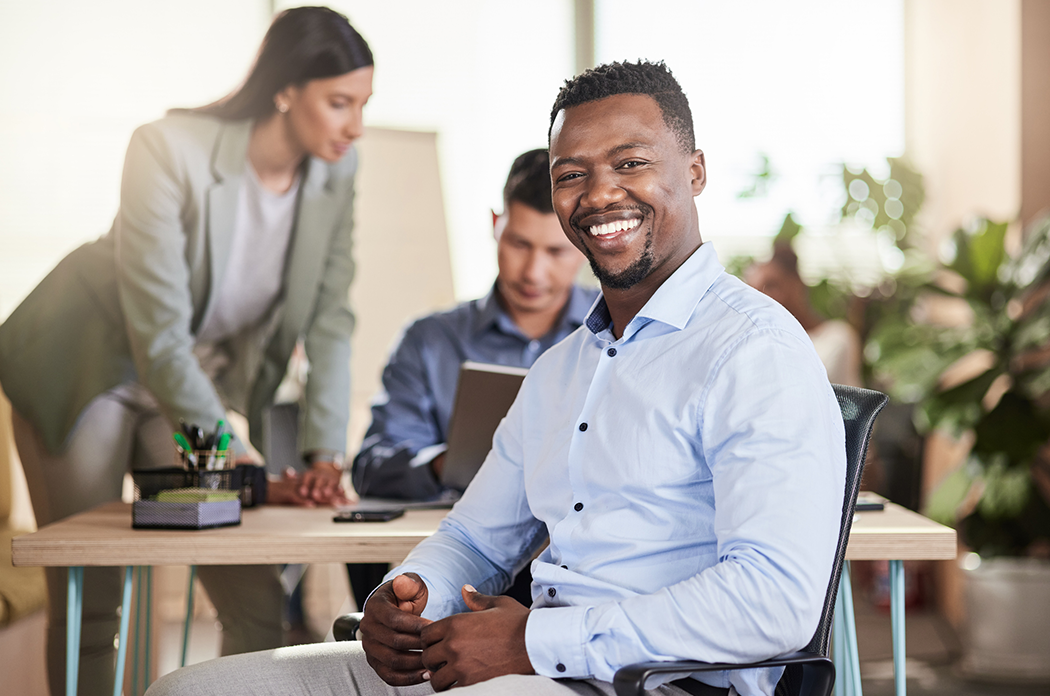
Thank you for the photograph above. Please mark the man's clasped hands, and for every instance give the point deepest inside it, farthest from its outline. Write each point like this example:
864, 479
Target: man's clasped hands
404, 648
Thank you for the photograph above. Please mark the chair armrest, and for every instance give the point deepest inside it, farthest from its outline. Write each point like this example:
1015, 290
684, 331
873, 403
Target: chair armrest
345, 627
818, 672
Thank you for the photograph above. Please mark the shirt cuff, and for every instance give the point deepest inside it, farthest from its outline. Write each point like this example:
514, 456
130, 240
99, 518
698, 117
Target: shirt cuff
436, 608
323, 455
428, 454
554, 642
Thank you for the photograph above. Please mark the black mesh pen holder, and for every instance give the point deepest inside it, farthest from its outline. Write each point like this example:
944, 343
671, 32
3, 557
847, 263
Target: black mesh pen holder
149, 482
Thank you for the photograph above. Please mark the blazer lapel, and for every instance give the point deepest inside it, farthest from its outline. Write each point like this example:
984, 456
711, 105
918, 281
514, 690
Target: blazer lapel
308, 253
228, 167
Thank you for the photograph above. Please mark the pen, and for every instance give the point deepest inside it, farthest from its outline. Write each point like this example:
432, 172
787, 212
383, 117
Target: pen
221, 446
184, 446
213, 444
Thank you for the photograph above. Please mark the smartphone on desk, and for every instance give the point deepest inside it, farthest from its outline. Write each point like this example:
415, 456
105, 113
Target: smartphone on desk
868, 502
368, 515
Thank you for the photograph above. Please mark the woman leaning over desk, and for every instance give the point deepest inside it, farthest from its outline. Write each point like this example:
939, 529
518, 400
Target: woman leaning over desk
232, 243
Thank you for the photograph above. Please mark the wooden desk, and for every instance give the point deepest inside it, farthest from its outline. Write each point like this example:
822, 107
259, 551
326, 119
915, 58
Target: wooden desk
270, 534
897, 533
894, 534
104, 537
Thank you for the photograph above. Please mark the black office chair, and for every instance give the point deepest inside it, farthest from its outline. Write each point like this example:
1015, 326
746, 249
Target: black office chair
809, 672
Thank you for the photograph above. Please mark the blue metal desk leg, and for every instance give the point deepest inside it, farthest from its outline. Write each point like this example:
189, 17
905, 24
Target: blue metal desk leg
74, 612
838, 647
149, 628
189, 617
122, 645
897, 621
138, 624
846, 656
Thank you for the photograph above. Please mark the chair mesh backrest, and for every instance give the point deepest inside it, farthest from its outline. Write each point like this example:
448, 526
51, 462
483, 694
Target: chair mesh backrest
859, 408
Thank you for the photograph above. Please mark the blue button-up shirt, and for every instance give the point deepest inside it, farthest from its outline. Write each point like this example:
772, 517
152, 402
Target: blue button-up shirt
690, 476
410, 415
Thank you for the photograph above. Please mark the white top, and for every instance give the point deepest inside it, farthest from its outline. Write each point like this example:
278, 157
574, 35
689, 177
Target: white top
254, 273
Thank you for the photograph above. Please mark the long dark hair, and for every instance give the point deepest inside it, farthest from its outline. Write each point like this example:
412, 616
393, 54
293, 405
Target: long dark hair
302, 44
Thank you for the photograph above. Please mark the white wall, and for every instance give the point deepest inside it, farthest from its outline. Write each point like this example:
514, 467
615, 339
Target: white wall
964, 108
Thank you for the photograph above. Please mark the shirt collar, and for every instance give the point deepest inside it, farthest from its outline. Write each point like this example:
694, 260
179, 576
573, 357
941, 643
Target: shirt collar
488, 312
490, 315
674, 302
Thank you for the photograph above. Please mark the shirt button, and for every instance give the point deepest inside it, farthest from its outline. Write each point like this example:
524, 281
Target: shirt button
560, 667
611, 352
583, 427
551, 592
577, 507
565, 567
534, 346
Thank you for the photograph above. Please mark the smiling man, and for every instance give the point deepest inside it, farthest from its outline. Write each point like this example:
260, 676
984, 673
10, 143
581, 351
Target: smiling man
683, 451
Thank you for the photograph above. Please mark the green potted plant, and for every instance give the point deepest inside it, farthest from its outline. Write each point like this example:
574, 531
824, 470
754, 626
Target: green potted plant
987, 378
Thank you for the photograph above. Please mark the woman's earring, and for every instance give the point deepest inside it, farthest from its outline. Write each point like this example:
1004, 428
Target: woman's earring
282, 107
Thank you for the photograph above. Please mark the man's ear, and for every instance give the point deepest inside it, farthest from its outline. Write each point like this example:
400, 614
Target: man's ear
698, 170
499, 222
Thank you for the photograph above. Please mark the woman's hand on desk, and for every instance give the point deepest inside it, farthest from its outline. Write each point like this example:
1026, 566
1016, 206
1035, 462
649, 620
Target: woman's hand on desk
285, 490
316, 487
322, 484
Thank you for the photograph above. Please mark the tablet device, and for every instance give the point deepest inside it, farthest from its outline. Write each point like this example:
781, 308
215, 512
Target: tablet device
483, 397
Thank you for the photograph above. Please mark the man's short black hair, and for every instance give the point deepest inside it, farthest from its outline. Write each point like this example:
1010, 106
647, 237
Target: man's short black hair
529, 182
643, 77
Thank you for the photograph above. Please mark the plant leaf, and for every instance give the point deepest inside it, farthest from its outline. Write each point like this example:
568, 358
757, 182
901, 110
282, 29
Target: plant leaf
943, 504
1012, 428
958, 409
1006, 492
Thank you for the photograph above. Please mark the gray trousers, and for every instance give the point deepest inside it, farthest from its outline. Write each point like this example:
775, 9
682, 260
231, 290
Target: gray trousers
340, 669
121, 429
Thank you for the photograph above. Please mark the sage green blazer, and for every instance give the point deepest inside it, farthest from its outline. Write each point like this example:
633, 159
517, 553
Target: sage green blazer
127, 306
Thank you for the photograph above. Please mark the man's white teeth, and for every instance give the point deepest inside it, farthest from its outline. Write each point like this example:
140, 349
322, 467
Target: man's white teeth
612, 227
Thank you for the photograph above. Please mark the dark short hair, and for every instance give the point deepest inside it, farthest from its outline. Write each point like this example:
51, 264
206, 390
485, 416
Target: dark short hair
652, 79
529, 182
302, 44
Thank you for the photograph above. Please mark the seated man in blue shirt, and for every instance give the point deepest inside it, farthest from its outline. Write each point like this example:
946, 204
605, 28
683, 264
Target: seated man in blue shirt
683, 450
532, 305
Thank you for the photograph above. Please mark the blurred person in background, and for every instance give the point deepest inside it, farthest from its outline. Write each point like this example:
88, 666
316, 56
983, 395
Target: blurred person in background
532, 305
837, 343
232, 242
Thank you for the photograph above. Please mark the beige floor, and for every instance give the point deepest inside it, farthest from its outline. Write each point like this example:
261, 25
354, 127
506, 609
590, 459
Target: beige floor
22, 656
933, 651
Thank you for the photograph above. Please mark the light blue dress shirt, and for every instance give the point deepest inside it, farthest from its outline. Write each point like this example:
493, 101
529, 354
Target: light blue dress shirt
690, 476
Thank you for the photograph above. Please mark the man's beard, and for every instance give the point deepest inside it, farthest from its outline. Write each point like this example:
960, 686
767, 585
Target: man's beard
632, 275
